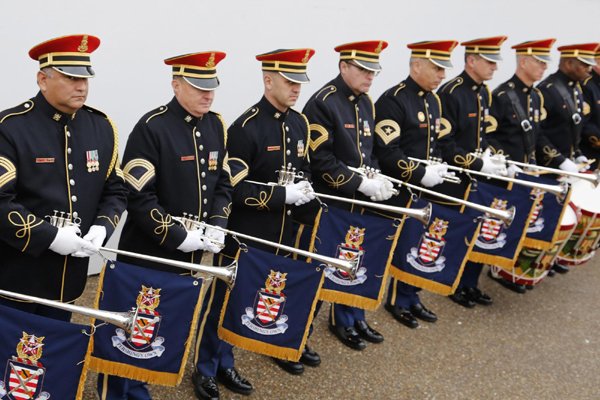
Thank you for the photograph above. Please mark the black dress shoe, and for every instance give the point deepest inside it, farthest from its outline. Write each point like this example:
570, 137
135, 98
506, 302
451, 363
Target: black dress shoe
348, 336
529, 287
478, 296
291, 367
403, 316
367, 333
422, 313
560, 268
310, 357
515, 287
205, 387
551, 273
232, 380
460, 297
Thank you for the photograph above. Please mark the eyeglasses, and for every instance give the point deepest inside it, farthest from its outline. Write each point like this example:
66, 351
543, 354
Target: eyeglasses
362, 70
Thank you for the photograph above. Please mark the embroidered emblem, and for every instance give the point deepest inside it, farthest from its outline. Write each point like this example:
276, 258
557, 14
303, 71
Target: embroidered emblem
188, 158
379, 47
273, 148
366, 128
211, 61
491, 236
300, 148
536, 222
93, 163
188, 118
388, 130
83, 47
44, 160
428, 258
144, 342
421, 116
213, 160
277, 115
56, 117
350, 126
306, 56
266, 316
24, 376
350, 250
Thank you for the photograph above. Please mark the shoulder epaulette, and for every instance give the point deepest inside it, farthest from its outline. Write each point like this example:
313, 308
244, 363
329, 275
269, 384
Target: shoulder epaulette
401, 86
155, 112
451, 85
94, 110
249, 114
326, 91
18, 110
587, 80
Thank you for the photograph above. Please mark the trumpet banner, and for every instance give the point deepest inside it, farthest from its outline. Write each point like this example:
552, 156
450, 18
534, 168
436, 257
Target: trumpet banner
169, 305
371, 240
496, 244
270, 309
41, 358
433, 257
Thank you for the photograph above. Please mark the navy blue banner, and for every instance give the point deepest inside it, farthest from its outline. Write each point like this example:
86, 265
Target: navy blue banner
270, 309
433, 257
157, 349
496, 244
41, 358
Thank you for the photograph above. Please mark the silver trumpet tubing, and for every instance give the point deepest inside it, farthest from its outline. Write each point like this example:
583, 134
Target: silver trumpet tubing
350, 266
125, 320
63, 219
559, 190
192, 223
226, 274
507, 216
594, 177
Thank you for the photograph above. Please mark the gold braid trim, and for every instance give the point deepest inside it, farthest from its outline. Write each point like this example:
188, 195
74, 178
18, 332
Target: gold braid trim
261, 202
489, 95
11, 171
324, 136
407, 169
224, 128
339, 181
464, 161
550, 154
25, 225
165, 224
115, 156
114, 222
22, 112
594, 142
308, 142
439, 103
543, 113
372, 105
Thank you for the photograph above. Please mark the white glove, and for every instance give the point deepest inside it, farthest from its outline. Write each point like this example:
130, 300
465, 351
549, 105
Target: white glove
433, 174
192, 242
568, 166
372, 188
96, 236
513, 170
489, 167
66, 242
295, 193
213, 235
387, 189
582, 159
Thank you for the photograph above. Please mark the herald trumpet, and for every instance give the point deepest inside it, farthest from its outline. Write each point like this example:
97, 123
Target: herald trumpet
594, 177
350, 266
125, 320
190, 223
226, 274
560, 190
507, 216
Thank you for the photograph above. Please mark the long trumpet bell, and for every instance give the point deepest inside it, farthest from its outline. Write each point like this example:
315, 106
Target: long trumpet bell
226, 274
125, 320
559, 190
350, 266
507, 216
594, 177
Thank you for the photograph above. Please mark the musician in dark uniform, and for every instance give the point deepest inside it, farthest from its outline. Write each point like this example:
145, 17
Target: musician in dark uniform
341, 117
175, 162
465, 107
564, 105
516, 116
265, 138
408, 121
56, 153
590, 135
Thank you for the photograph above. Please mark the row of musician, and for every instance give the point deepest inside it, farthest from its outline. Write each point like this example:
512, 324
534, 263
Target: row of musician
512, 218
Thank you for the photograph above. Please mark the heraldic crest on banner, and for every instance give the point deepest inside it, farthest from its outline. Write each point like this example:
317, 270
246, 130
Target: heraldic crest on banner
24, 375
491, 235
266, 316
350, 250
536, 222
428, 257
144, 342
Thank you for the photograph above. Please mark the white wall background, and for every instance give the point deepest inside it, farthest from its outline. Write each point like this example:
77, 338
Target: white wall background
137, 36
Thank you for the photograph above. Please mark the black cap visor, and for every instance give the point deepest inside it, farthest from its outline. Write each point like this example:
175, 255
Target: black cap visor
207, 84
76, 71
295, 77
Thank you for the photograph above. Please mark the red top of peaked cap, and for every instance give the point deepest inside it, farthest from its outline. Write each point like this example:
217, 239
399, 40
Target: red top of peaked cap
198, 69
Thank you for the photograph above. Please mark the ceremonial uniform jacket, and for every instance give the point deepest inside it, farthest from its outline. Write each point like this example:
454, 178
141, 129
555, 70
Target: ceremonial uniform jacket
558, 124
505, 134
341, 126
465, 106
590, 135
262, 140
174, 163
48, 162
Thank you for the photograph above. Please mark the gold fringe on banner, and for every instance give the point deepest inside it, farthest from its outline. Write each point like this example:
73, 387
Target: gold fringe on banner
433, 286
143, 374
256, 346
